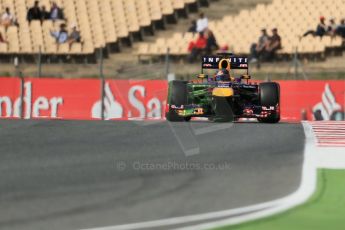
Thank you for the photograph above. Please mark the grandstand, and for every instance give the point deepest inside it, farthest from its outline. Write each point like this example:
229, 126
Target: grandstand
128, 29
103, 24
291, 17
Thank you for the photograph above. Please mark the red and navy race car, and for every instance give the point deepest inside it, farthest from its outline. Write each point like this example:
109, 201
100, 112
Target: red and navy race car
223, 97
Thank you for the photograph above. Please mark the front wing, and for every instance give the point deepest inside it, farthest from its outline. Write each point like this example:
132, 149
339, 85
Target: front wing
251, 111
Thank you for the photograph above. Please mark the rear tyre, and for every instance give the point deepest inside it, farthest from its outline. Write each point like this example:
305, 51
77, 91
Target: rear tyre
177, 95
222, 107
270, 96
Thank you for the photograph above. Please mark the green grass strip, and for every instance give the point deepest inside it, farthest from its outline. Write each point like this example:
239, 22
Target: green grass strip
324, 210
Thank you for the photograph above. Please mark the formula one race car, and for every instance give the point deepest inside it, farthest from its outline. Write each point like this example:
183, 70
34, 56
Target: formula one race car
222, 97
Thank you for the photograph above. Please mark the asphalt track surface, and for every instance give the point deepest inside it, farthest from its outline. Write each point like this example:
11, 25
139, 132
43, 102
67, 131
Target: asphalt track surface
85, 174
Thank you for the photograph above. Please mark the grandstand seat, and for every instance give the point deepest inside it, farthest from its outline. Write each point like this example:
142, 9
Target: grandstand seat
76, 48
155, 10
167, 7
143, 49
143, 13
178, 4
120, 18
12, 35
3, 48
37, 36
88, 48
63, 48
131, 16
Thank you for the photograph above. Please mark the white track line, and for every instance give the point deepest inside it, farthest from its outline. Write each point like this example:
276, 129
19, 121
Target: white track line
191, 218
305, 190
314, 157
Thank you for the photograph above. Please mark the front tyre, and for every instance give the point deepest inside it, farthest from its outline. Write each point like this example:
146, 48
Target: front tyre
178, 96
270, 96
187, 119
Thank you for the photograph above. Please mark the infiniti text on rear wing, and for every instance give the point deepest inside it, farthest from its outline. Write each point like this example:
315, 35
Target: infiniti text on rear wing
220, 62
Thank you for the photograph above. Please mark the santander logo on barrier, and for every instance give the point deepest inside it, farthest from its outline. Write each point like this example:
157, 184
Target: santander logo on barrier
154, 103
113, 109
137, 104
31, 108
329, 108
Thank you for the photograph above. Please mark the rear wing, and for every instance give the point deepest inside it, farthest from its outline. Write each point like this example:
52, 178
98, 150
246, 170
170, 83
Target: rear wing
224, 62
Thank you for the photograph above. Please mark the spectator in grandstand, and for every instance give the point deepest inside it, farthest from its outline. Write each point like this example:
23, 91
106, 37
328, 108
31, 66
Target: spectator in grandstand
61, 36
320, 31
273, 44
224, 48
201, 23
44, 13
74, 36
211, 43
340, 30
196, 48
332, 27
257, 49
56, 13
34, 12
192, 28
8, 19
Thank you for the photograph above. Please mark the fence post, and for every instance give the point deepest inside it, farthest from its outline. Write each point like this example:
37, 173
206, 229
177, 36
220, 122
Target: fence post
19, 74
167, 63
296, 63
22, 89
39, 62
101, 74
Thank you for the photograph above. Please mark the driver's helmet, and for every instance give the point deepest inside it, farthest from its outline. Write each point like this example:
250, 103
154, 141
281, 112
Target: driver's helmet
222, 75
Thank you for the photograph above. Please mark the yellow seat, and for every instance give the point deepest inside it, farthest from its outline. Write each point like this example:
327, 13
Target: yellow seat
63, 48
3, 48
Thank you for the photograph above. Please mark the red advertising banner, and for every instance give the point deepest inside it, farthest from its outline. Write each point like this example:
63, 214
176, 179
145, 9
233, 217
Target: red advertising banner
10, 97
129, 99
80, 98
322, 100
57, 98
